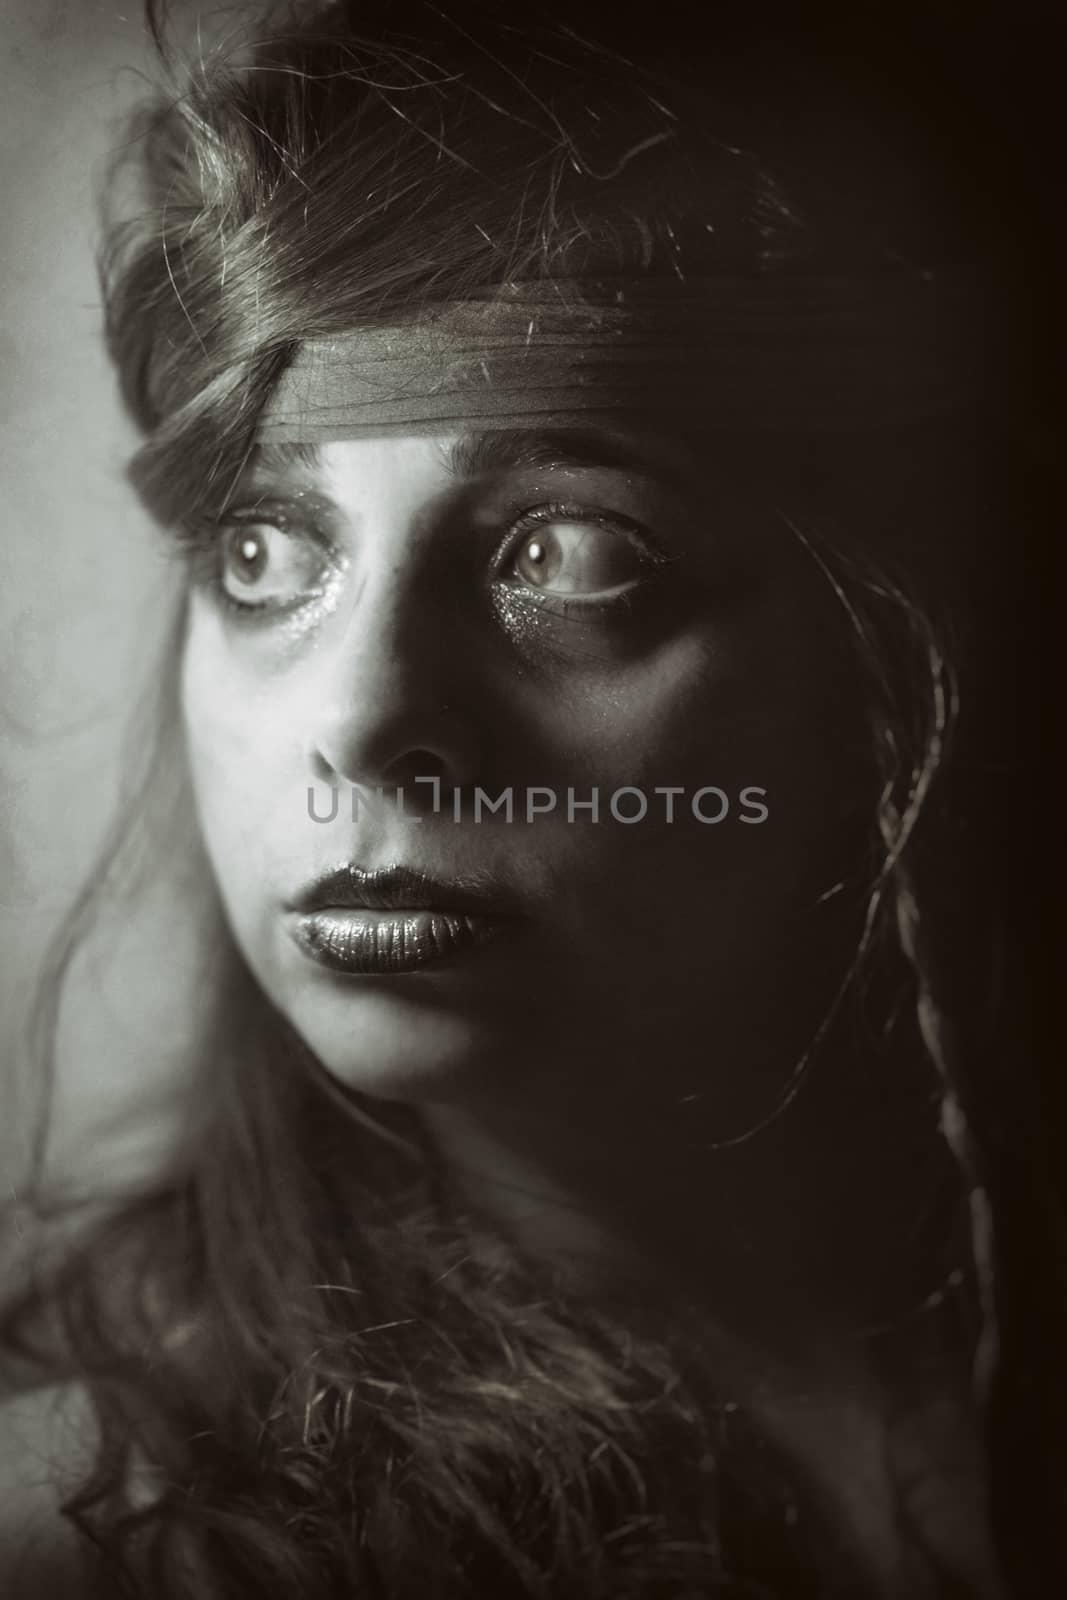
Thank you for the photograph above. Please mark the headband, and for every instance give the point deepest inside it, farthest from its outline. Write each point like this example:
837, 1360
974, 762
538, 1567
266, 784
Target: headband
792, 351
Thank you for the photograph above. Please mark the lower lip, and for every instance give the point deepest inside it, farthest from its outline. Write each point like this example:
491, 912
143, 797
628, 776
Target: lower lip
358, 941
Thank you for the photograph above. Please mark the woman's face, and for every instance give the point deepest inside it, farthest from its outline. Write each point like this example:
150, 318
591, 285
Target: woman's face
555, 616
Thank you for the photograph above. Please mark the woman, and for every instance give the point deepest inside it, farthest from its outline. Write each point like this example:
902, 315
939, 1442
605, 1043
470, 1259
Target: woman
575, 1192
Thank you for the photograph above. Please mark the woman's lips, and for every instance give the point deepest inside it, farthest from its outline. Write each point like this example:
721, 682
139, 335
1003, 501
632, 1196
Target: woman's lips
356, 939
397, 918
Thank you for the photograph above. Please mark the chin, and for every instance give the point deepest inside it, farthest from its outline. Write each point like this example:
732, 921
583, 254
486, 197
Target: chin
403, 1052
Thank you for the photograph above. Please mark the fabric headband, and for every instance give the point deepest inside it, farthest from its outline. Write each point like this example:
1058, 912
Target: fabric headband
791, 351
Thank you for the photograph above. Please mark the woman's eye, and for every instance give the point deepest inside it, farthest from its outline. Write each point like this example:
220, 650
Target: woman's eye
263, 566
574, 556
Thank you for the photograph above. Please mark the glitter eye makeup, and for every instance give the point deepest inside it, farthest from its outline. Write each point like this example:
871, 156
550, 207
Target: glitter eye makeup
592, 533
576, 552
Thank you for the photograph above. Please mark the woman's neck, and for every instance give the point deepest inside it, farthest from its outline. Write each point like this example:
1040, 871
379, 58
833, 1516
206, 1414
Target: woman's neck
687, 1246
732, 1247
836, 1216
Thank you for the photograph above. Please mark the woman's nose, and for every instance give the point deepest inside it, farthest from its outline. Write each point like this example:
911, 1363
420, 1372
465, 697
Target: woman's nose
396, 702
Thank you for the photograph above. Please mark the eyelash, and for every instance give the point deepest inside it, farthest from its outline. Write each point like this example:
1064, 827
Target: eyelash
652, 558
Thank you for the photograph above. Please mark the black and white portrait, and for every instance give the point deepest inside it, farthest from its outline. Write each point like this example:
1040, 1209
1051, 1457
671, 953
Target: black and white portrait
519, 636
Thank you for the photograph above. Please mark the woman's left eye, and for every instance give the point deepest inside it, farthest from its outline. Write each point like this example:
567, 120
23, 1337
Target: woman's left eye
576, 554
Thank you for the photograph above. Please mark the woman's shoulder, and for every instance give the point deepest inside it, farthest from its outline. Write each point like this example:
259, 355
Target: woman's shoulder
47, 1442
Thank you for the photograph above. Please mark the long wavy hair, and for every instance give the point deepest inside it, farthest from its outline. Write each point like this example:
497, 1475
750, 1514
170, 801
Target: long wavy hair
311, 1374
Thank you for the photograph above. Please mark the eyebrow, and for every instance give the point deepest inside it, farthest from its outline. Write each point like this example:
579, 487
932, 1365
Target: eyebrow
479, 453
282, 458
484, 451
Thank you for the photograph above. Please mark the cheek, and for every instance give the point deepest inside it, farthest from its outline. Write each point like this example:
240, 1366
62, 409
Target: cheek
724, 920
767, 702
234, 749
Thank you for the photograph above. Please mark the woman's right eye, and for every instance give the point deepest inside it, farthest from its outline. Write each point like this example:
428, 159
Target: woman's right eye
262, 566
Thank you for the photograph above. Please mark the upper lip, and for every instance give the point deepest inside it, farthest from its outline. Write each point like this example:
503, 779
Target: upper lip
399, 888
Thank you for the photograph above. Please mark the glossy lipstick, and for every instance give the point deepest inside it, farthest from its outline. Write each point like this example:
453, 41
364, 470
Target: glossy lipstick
395, 919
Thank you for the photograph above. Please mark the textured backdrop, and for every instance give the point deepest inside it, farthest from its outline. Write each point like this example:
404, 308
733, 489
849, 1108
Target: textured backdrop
80, 597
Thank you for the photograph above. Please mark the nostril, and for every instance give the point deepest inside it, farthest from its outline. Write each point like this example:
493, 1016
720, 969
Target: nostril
420, 782
373, 744
416, 764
